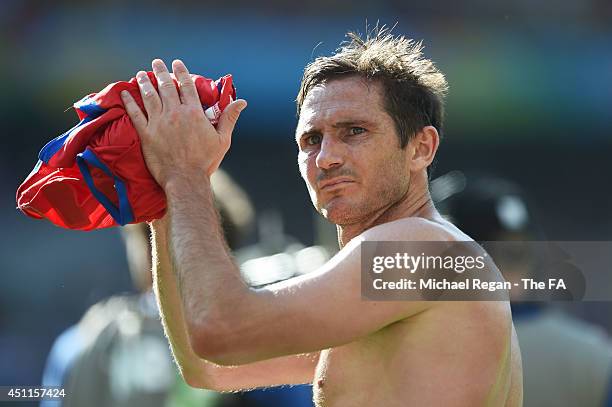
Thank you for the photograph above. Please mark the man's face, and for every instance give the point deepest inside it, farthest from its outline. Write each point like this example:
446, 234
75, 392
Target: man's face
349, 154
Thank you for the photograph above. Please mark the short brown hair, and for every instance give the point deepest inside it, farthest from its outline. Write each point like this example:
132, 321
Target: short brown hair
414, 89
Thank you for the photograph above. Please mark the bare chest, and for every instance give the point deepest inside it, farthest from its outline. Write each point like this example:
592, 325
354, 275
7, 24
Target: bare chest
405, 363
357, 374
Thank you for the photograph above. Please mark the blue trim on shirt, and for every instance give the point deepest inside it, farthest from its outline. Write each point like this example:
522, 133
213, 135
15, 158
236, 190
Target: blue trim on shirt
122, 214
89, 107
86, 105
53, 146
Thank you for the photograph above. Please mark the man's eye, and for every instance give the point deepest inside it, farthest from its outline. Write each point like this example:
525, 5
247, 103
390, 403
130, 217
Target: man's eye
356, 130
313, 140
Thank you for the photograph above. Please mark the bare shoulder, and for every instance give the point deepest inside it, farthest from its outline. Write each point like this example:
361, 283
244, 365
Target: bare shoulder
415, 229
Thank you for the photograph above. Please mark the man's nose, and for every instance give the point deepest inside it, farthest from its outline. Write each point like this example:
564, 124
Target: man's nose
330, 154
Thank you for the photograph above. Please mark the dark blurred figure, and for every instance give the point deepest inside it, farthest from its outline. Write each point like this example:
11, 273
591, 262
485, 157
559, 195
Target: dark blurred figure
117, 354
566, 361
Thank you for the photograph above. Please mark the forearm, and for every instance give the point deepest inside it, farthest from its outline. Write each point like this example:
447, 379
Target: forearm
171, 309
209, 283
196, 371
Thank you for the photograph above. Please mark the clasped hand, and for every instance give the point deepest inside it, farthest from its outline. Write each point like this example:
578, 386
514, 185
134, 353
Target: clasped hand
176, 137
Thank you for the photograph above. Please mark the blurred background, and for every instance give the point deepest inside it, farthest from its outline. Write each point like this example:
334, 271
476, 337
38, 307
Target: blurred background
530, 101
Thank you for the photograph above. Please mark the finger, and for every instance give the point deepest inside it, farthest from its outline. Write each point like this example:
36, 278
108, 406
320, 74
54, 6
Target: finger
165, 84
133, 110
229, 117
187, 88
150, 98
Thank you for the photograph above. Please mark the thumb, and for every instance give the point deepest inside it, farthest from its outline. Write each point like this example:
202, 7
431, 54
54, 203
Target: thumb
229, 117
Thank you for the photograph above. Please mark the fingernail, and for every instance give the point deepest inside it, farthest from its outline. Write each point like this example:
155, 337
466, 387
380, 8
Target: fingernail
124, 94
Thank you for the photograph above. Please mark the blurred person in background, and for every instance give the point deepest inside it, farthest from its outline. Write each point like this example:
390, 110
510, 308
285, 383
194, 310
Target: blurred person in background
117, 354
566, 361
368, 130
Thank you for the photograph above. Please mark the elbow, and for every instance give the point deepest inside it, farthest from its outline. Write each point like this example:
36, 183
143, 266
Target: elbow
221, 335
195, 380
198, 380
210, 341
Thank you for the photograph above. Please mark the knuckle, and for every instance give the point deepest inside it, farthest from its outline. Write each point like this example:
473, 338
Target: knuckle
194, 111
186, 81
174, 116
188, 89
127, 102
166, 85
132, 109
233, 116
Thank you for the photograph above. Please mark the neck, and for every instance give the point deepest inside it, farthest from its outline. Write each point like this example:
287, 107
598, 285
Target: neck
415, 203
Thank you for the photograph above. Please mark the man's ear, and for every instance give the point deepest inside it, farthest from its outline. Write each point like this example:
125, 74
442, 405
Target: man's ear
423, 147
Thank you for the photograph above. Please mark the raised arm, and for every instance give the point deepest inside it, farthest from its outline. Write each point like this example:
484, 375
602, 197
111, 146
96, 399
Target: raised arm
226, 321
197, 372
230, 323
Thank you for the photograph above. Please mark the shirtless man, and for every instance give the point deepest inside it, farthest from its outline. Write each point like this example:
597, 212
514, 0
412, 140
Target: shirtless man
369, 118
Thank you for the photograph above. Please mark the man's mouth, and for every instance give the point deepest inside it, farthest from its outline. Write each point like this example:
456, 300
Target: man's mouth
334, 183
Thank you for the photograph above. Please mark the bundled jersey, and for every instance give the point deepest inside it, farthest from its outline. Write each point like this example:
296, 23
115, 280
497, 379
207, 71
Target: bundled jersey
94, 175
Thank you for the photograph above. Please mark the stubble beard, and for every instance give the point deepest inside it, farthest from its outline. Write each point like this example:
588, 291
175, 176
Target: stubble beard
371, 201
344, 211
